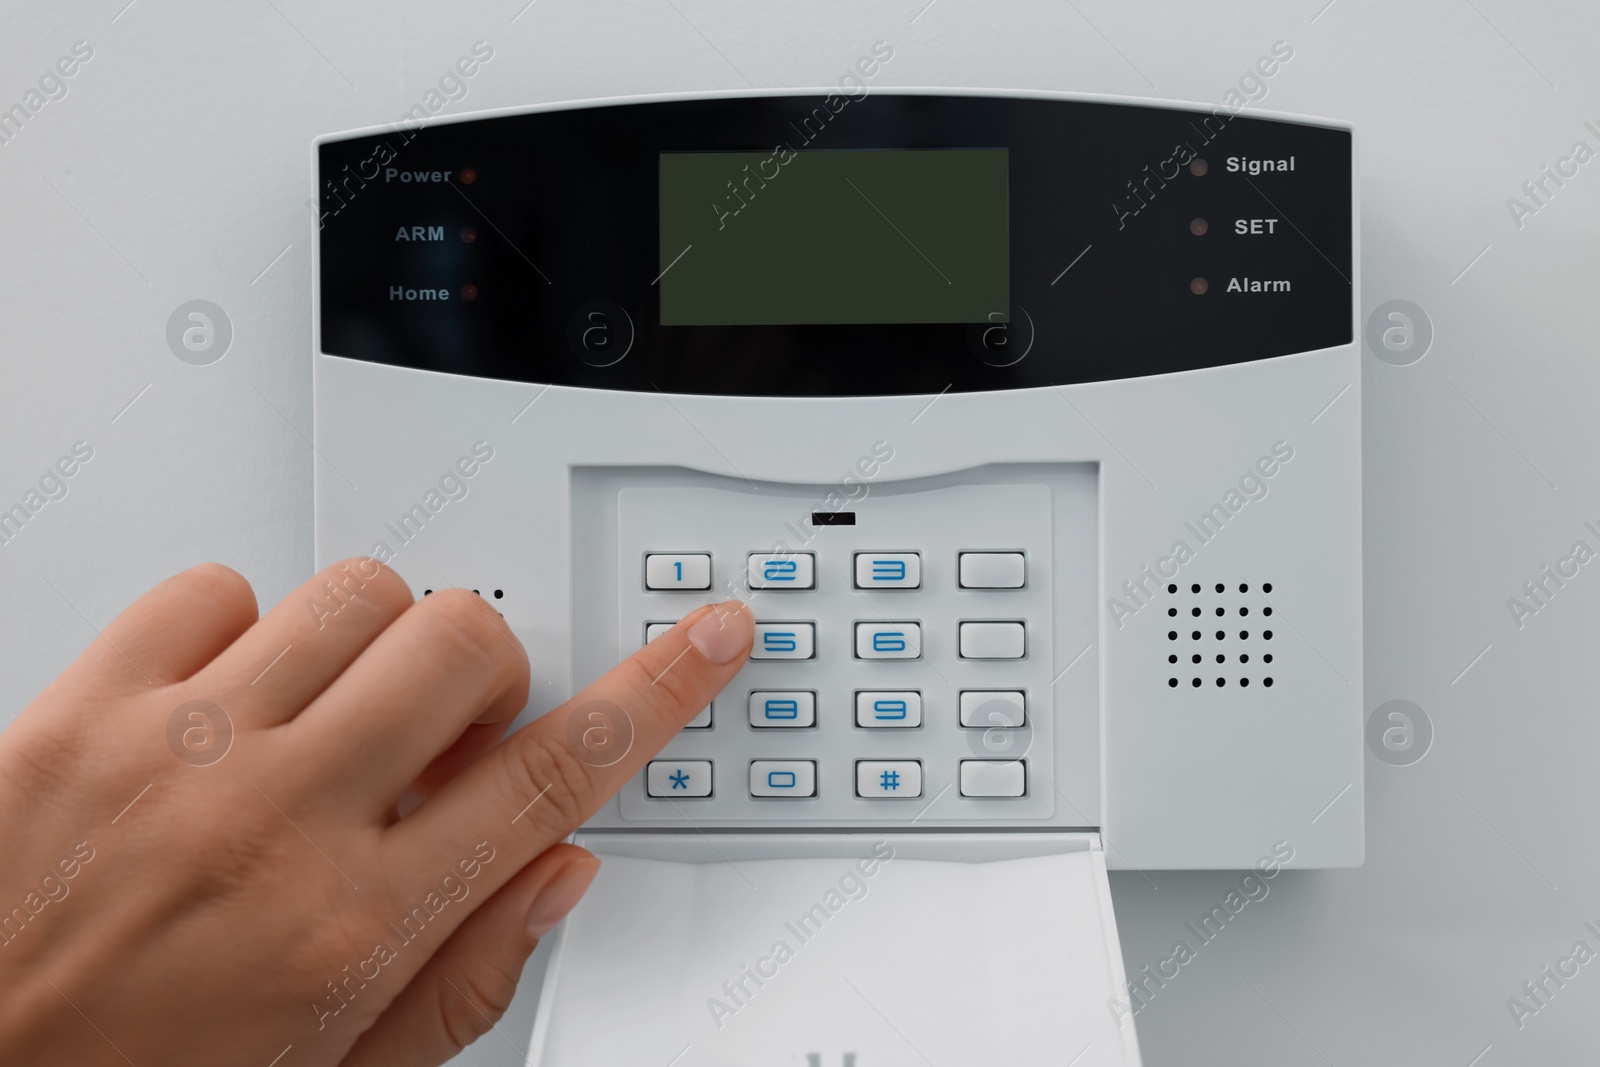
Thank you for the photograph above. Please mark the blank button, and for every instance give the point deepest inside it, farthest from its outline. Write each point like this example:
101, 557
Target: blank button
682, 571
993, 570
993, 640
993, 778
985, 709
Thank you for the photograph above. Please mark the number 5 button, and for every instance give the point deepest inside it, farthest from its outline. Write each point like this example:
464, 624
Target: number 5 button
784, 640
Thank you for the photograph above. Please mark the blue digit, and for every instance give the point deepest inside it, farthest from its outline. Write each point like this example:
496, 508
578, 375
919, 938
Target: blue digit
678, 563
888, 570
888, 710
779, 641
783, 709
780, 780
889, 641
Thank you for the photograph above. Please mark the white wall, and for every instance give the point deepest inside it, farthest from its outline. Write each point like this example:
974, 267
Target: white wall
176, 168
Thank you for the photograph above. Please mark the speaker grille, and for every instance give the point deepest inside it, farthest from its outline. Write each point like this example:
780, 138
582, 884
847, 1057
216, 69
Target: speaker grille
1219, 634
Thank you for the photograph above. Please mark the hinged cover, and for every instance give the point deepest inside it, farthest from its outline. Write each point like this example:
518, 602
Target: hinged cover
877, 950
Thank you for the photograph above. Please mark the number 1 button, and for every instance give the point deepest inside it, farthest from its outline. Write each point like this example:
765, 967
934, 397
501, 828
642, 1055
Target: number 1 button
690, 571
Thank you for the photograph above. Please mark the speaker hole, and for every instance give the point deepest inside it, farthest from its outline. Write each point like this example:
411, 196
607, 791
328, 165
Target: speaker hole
1266, 681
1172, 682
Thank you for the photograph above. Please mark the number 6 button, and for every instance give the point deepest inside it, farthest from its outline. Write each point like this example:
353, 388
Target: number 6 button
888, 640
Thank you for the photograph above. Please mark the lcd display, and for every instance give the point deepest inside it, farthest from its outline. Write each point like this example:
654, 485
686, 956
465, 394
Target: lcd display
834, 236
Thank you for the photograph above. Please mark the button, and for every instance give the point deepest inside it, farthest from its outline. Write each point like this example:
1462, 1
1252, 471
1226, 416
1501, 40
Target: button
653, 630
993, 640
683, 571
678, 778
789, 708
782, 570
783, 778
993, 778
888, 570
785, 640
888, 778
889, 707
701, 721
888, 640
993, 570
986, 709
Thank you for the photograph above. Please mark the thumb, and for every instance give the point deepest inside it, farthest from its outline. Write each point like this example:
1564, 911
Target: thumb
462, 992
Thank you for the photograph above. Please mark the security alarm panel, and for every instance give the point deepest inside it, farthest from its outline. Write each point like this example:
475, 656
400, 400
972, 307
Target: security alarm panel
1027, 424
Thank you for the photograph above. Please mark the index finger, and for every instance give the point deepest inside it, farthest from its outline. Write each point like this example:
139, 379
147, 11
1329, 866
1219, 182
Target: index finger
537, 786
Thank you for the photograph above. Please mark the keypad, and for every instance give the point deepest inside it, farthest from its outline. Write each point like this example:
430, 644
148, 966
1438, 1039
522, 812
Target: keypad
882, 669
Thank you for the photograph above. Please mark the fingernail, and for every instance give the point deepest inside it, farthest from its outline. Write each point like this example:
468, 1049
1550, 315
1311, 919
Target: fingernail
561, 895
723, 633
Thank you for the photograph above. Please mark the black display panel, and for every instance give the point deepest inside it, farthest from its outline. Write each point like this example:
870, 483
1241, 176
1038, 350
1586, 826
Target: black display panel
761, 239
1129, 241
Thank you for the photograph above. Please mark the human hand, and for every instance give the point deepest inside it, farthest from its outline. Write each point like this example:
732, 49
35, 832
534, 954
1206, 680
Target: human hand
230, 881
